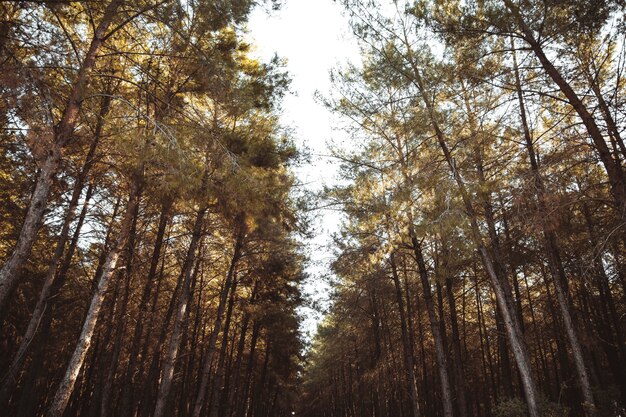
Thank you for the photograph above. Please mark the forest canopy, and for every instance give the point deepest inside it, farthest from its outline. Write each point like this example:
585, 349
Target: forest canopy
153, 227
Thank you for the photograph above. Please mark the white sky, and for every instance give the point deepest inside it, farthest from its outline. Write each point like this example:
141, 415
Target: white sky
314, 36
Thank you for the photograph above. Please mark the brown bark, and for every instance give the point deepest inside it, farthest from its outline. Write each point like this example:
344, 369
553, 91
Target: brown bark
554, 260
66, 387
435, 327
407, 349
180, 319
217, 325
613, 167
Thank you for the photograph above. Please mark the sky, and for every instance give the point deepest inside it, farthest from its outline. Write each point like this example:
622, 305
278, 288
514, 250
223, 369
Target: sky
314, 37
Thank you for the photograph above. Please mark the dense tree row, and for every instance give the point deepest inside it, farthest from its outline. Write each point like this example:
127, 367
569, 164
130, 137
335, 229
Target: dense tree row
481, 265
149, 263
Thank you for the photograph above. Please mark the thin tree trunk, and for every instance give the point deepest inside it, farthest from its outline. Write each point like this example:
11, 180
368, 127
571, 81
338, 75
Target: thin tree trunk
435, 328
187, 343
43, 334
151, 380
127, 393
217, 326
612, 343
109, 382
10, 378
456, 350
611, 125
232, 397
247, 380
182, 313
66, 387
485, 346
406, 345
220, 367
613, 168
554, 259
495, 247
187, 394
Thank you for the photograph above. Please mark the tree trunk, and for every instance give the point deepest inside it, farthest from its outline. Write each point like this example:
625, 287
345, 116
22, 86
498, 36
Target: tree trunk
52, 275
230, 400
485, 347
182, 313
151, 380
217, 326
554, 259
456, 350
244, 403
220, 367
127, 393
406, 345
435, 327
66, 387
613, 168
109, 382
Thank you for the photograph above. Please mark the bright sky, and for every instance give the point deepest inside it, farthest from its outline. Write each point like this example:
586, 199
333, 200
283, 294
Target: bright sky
314, 36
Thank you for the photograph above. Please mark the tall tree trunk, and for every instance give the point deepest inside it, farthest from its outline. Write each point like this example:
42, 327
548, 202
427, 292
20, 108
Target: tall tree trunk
220, 370
9, 273
188, 343
52, 275
616, 137
533, 321
151, 380
612, 343
456, 349
485, 346
435, 328
49, 312
505, 375
244, 403
66, 387
196, 342
230, 400
407, 349
182, 313
128, 392
217, 325
42, 333
554, 258
109, 382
